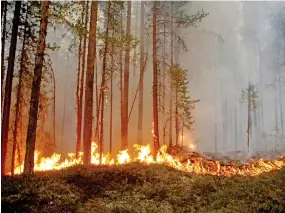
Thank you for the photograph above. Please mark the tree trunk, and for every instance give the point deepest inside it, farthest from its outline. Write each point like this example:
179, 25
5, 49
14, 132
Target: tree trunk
78, 125
126, 81
34, 102
19, 98
135, 34
248, 122
63, 119
140, 116
154, 85
80, 105
163, 81
176, 117
88, 107
111, 97
8, 86
281, 104
171, 86
3, 39
103, 85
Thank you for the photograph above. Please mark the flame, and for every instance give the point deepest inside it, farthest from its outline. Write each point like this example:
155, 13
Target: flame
143, 154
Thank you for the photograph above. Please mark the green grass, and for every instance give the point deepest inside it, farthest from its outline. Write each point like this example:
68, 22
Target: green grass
136, 188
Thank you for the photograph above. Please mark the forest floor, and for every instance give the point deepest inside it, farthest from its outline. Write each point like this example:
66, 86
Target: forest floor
135, 188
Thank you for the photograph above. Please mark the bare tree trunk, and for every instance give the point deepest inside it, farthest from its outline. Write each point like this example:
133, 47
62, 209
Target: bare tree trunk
3, 40
135, 34
19, 98
176, 117
103, 85
163, 82
111, 97
34, 102
80, 107
248, 121
63, 119
88, 107
171, 87
140, 117
8, 87
126, 81
53, 108
281, 105
154, 85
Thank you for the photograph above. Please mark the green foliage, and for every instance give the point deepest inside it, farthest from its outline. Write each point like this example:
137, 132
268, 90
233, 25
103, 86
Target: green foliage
184, 103
251, 96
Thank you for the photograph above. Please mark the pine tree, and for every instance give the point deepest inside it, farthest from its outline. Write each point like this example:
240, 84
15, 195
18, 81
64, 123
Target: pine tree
251, 97
34, 102
8, 86
88, 108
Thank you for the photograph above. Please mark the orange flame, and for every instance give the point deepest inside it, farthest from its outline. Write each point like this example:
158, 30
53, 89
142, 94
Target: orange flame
198, 165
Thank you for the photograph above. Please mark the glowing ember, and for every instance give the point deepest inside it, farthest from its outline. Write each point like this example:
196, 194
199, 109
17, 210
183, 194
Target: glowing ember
196, 165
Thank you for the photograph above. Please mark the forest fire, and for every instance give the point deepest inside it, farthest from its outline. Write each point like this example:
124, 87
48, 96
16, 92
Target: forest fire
195, 165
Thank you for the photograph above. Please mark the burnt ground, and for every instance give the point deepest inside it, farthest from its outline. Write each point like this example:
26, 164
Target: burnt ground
136, 188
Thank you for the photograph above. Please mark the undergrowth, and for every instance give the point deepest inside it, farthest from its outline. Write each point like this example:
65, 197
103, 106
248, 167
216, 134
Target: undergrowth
137, 188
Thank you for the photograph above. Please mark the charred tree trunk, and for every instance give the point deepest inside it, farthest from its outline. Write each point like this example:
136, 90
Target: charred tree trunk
103, 85
3, 40
80, 105
126, 81
154, 85
8, 86
88, 107
34, 102
140, 116
19, 98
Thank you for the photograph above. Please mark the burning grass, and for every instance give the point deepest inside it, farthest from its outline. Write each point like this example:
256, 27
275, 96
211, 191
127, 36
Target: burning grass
137, 187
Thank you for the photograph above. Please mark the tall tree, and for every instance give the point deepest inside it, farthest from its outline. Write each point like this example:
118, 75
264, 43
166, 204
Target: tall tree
3, 39
88, 107
34, 102
126, 80
80, 100
250, 95
154, 84
19, 94
171, 89
8, 86
103, 83
142, 56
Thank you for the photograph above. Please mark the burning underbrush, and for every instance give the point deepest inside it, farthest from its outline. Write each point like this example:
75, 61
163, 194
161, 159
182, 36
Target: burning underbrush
137, 188
174, 157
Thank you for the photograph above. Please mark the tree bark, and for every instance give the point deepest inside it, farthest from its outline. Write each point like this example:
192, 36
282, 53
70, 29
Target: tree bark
140, 116
3, 40
19, 97
80, 105
8, 86
34, 102
163, 81
171, 86
154, 84
126, 81
88, 107
111, 97
103, 86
